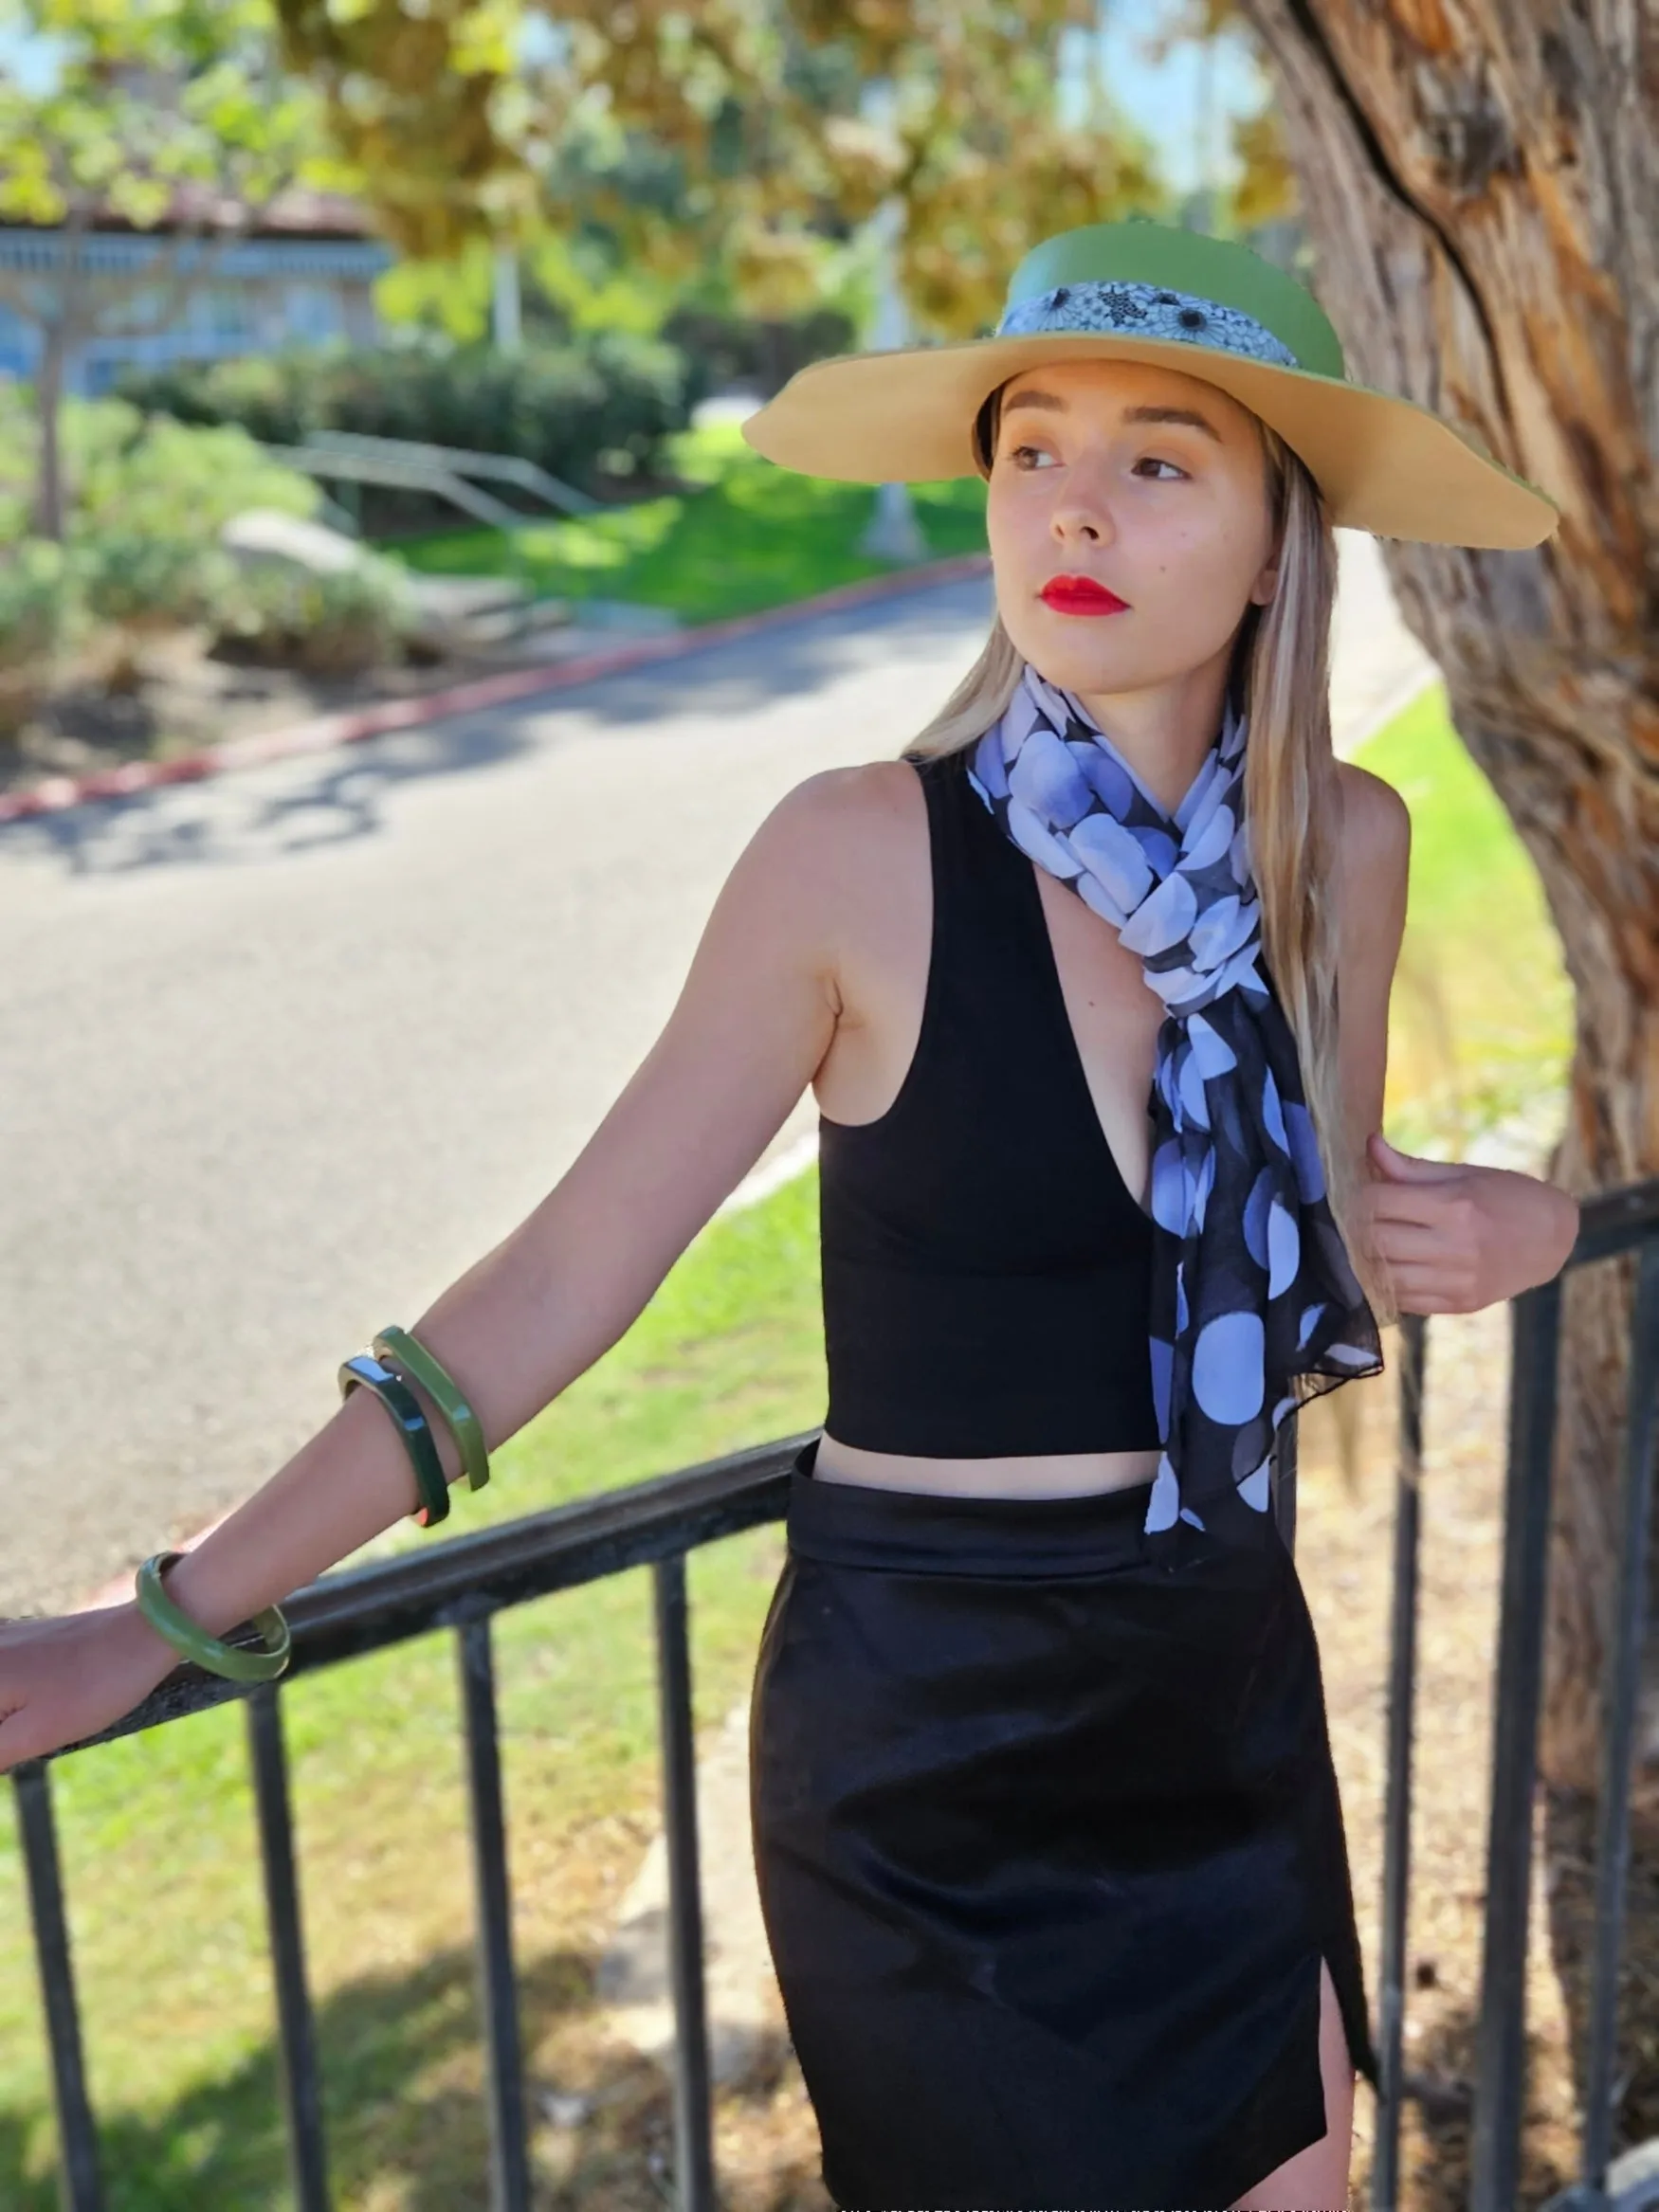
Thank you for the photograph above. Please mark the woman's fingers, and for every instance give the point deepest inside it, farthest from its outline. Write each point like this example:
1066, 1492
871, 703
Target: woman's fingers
1408, 1240
1432, 1238
1429, 1297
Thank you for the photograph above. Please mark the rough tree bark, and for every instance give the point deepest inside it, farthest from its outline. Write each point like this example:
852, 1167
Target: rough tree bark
1480, 185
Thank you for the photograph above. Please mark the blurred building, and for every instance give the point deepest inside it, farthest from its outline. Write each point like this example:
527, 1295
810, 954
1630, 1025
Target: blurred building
193, 288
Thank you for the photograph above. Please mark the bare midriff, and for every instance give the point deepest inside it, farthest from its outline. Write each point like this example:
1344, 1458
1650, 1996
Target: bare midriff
1044, 1474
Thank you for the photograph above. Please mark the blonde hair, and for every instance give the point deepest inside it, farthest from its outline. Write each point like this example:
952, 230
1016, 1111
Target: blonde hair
1281, 663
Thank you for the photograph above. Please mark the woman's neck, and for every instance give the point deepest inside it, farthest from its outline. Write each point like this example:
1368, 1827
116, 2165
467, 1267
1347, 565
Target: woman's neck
1165, 732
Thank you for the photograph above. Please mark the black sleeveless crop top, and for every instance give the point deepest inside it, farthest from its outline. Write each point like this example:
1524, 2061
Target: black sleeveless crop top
986, 1268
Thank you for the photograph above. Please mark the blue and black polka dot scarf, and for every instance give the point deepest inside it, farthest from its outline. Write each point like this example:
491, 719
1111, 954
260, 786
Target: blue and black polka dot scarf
1255, 1306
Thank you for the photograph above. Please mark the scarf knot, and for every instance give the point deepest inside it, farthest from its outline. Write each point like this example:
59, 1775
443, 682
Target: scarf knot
1255, 1304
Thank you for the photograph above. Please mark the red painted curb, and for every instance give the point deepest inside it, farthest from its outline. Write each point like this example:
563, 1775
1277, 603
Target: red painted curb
349, 727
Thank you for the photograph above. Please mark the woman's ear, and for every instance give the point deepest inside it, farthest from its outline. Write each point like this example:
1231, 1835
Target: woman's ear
1267, 583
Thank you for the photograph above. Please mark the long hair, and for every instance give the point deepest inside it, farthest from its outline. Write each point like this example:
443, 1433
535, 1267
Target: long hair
1281, 672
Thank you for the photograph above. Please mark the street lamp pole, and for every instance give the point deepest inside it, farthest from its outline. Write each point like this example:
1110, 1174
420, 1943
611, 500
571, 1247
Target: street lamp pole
505, 319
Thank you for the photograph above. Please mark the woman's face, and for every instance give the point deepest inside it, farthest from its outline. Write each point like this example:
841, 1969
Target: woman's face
1147, 481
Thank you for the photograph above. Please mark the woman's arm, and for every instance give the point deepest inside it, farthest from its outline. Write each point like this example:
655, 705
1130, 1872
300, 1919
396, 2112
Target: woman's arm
1371, 906
1455, 1237
756, 1017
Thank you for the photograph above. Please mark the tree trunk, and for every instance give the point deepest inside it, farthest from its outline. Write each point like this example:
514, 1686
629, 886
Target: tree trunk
1481, 186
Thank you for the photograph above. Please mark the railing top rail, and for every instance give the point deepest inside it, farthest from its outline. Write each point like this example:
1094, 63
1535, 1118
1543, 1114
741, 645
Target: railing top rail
1615, 1221
409, 476
463, 460
468, 1578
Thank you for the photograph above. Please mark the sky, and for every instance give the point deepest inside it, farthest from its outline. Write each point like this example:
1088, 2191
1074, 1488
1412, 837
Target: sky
1167, 100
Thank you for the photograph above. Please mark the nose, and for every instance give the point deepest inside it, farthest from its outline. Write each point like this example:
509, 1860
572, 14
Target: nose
1082, 514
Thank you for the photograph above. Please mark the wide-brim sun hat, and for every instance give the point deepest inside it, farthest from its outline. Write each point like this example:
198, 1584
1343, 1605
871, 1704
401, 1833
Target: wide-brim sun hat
1172, 298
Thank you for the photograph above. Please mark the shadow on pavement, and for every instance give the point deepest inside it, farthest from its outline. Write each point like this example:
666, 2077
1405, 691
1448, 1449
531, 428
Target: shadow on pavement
337, 796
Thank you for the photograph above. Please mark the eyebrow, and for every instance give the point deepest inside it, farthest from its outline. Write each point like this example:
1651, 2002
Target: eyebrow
1035, 398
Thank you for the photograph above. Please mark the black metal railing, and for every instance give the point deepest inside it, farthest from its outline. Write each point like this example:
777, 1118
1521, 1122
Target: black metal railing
460, 1584
457, 1586
1613, 1222
1617, 1221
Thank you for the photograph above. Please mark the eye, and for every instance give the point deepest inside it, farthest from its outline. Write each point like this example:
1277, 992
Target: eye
1016, 453
1157, 461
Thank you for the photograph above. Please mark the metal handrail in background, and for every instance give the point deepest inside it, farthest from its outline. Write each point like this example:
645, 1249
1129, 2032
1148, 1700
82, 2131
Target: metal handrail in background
443, 472
459, 460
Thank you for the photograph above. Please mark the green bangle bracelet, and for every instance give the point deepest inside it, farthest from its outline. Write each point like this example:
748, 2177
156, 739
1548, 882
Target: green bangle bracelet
398, 1346
431, 1484
234, 1661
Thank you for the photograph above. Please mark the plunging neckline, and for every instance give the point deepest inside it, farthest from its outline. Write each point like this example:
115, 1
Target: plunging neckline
1061, 1013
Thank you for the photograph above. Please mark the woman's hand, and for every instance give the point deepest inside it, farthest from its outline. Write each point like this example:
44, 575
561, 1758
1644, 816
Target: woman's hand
1456, 1238
64, 1680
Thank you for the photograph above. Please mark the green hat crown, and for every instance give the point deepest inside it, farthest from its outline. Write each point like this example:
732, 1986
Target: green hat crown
1151, 281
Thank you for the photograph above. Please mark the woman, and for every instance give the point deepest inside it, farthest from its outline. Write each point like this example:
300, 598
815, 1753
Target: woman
1045, 1820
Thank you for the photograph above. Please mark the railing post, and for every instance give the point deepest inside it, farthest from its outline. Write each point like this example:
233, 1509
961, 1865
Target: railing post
1624, 1661
1396, 1841
302, 2095
82, 2182
694, 2155
1500, 2038
498, 1983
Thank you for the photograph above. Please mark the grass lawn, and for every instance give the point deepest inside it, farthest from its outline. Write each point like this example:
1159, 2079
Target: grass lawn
1482, 1011
157, 1832
754, 536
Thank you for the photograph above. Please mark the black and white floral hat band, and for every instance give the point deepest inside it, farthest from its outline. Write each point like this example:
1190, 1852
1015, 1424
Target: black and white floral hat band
1207, 307
1149, 310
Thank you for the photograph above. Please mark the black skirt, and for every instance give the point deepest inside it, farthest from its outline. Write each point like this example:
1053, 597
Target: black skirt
1049, 1850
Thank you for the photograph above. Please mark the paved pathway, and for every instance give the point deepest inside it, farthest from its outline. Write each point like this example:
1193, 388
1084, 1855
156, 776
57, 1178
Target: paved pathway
283, 1053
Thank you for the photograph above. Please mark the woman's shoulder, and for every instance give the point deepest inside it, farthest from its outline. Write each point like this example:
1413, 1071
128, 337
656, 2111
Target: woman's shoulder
855, 811
845, 853
1376, 831
1375, 855
1370, 888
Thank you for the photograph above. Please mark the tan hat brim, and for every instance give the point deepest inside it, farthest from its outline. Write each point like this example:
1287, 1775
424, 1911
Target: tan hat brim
1384, 465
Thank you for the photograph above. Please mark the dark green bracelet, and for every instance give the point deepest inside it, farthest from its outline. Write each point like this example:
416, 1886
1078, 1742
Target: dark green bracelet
431, 1485
236, 1662
406, 1352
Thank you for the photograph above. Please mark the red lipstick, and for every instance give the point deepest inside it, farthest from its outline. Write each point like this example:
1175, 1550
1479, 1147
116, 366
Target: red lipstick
1080, 595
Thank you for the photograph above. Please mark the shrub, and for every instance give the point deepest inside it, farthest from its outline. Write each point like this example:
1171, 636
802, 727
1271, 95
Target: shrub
153, 583
602, 403
39, 604
152, 479
17, 460
158, 478
270, 397
760, 354
328, 625
40, 616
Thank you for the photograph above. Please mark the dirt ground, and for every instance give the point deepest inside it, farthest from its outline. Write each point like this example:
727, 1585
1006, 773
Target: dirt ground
1345, 1556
